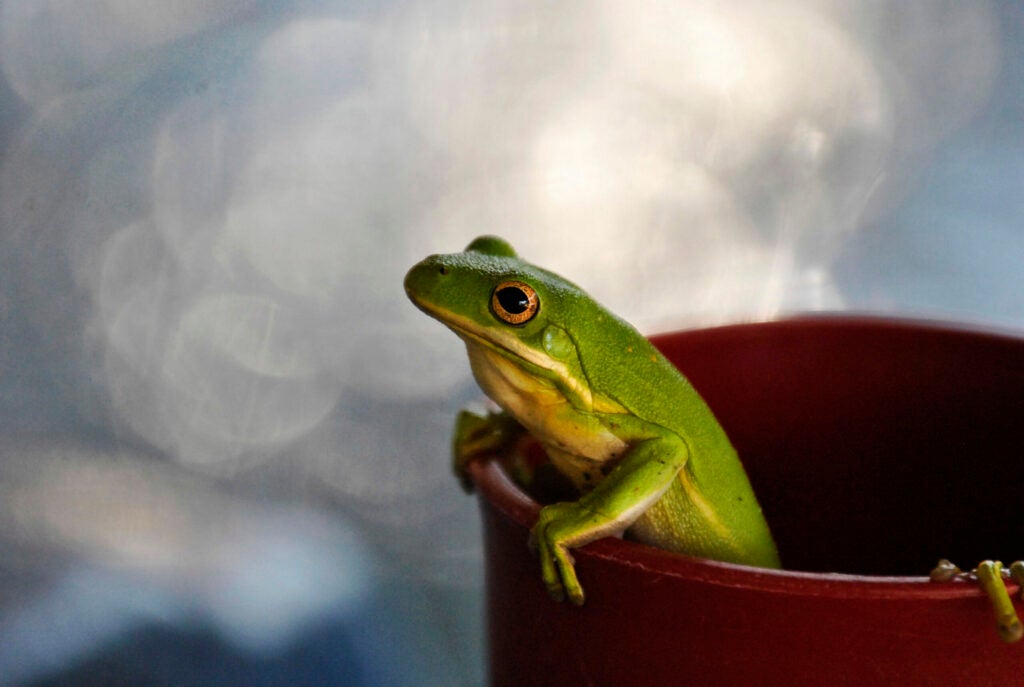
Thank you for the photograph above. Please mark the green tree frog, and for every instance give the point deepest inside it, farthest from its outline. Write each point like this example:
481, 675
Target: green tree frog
614, 416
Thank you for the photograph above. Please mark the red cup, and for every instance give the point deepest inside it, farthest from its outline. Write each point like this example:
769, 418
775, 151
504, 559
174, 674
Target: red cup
876, 448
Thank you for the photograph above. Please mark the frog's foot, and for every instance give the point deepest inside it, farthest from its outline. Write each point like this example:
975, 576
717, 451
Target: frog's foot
563, 526
557, 566
479, 432
991, 576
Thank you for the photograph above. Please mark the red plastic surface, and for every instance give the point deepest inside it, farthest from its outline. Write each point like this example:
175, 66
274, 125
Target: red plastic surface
876, 447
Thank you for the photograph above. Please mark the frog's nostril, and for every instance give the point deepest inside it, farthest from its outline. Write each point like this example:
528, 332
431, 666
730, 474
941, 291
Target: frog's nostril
443, 270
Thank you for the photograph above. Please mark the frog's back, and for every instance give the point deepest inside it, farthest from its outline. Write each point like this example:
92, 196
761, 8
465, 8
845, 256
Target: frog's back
710, 511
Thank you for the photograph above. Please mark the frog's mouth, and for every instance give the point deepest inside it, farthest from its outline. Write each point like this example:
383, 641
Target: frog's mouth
495, 339
508, 346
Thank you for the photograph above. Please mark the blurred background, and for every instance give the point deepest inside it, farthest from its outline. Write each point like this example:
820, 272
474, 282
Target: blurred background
224, 431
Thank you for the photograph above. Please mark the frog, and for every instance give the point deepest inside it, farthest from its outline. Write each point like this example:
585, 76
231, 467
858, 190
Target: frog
645, 454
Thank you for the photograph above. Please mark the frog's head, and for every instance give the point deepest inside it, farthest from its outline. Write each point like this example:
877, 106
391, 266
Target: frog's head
489, 296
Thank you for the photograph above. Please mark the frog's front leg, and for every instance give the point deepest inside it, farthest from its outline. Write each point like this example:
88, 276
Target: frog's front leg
616, 502
991, 576
477, 433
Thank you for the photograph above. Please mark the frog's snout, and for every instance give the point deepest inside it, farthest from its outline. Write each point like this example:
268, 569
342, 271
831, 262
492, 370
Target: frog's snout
423, 277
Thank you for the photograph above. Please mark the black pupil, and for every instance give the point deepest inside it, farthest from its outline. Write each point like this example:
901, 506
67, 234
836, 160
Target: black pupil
513, 299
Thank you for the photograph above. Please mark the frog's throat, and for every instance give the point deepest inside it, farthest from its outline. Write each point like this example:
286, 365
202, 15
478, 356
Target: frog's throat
511, 347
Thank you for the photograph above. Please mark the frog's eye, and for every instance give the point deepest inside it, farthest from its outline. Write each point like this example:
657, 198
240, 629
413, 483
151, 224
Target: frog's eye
514, 302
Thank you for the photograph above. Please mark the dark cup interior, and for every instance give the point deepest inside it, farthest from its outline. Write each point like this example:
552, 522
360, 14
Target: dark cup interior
875, 447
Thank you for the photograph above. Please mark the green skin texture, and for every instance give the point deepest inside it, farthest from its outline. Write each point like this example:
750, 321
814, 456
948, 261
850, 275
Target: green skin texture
613, 414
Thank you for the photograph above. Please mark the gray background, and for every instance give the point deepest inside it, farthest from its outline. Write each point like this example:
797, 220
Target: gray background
224, 453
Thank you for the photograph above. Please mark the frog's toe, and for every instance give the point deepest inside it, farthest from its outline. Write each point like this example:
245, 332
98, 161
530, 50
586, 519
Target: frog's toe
1017, 575
944, 571
555, 589
570, 582
990, 577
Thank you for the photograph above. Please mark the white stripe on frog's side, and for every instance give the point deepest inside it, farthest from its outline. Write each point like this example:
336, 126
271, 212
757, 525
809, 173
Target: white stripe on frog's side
709, 514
